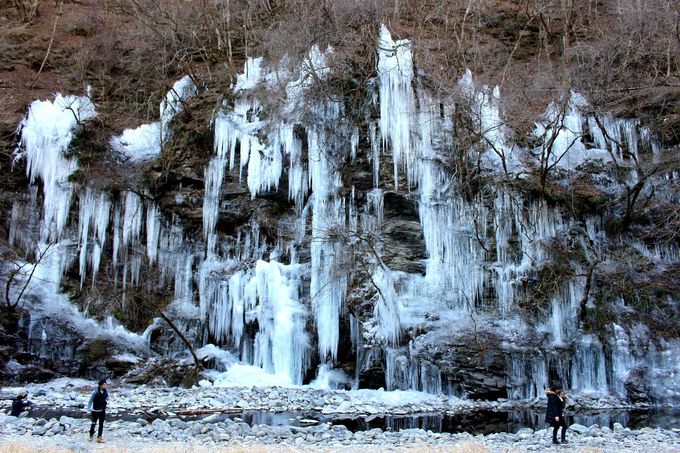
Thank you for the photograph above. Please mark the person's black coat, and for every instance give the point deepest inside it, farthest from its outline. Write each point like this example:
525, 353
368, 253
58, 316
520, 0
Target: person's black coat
99, 399
555, 408
18, 406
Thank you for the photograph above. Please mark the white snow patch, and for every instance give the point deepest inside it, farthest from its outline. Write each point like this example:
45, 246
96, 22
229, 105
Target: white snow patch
330, 379
145, 142
140, 144
240, 375
392, 398
222, 357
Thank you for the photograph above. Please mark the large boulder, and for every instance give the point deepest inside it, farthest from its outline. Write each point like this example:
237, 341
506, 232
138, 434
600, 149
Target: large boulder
403, 240
471, 363
164, 372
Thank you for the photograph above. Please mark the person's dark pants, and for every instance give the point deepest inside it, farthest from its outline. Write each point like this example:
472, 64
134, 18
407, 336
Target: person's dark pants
97, 416
556, 425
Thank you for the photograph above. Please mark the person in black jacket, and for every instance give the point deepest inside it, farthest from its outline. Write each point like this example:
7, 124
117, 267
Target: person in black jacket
97, 405
18, 405
554, 413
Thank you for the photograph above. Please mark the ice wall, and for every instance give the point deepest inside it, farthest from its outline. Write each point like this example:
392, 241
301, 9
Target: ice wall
280, 303
123, 230
482, 251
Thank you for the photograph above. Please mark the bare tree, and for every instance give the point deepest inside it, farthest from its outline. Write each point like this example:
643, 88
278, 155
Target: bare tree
20, 273
27, 10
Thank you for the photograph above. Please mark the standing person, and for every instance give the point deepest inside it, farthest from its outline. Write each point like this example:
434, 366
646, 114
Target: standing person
18, 404
554, 413
97, 404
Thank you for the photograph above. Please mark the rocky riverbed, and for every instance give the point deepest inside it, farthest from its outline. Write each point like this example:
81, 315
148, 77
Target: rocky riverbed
149, 417
208, 434
74, 393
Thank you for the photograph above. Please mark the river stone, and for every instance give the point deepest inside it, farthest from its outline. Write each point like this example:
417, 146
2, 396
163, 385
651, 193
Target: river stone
618, 427
577, 428
177, 423
524, 431
161, 425
211, 418
39, 431
64, 420
595, 432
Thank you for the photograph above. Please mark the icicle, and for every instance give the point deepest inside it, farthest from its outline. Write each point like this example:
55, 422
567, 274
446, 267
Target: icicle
153, 226
298, 180
588, 367
397, 102
116, 235
270, 296
281, 338
621, 360
86, 208
95, 209
184, 274
452, 233
404, 372
527, 376
328, 283
46, 133
375, 154
135, 267
354, 142
232, 128
562, 130
385, 309
132, 219
376, 202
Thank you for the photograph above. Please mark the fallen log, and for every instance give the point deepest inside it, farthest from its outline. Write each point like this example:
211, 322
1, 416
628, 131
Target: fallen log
208, 411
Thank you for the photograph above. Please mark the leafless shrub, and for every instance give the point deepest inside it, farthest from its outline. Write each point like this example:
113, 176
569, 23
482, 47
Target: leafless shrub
25, 10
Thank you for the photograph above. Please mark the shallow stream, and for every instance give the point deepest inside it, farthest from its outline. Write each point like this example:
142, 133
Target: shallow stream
476, 422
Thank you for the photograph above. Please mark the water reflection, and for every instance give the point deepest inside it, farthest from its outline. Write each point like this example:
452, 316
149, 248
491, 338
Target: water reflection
479, 422
487, 422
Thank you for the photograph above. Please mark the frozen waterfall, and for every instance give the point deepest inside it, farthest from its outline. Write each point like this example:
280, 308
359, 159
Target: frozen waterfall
306, 291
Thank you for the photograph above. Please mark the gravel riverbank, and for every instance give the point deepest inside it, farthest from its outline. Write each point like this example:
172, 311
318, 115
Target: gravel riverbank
74, 393
68, 434
133, 424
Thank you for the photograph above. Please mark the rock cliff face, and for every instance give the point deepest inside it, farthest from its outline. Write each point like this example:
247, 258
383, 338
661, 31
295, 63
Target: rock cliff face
410, 244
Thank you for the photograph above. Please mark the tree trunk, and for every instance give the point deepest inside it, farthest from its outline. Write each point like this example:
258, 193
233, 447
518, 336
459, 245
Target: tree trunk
184, 339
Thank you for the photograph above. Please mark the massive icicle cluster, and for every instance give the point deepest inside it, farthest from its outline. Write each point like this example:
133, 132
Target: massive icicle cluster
103, 222
46, 133
287, 316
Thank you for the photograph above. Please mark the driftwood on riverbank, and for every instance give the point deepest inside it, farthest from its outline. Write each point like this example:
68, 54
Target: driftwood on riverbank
224, 410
